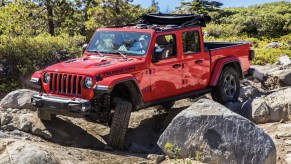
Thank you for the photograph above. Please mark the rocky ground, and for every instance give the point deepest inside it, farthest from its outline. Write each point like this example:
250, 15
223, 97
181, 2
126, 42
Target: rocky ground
24, 138
72, 140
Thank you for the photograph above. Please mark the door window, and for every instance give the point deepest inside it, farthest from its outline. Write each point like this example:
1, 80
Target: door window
167, 42
191, 42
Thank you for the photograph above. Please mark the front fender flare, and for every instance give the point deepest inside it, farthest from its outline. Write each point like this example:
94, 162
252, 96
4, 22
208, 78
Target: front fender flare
108, 83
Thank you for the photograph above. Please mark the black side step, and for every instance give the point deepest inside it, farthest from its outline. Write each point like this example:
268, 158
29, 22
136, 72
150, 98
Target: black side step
187, 95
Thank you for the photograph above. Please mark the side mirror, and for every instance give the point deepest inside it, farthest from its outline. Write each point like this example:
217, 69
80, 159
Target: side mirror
84, 47
158, 54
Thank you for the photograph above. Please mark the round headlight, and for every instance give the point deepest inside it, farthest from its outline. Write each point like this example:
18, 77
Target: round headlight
88, 82
46, 78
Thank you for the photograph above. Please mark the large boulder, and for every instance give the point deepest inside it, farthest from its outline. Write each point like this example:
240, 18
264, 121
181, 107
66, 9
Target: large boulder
212, 133
20, 152
249, 91
271, 108
259, 74
284, 76
18, 99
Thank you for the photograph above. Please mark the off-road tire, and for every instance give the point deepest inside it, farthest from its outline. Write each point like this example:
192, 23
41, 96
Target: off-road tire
119, 124
43, 115
228, 86
168, 105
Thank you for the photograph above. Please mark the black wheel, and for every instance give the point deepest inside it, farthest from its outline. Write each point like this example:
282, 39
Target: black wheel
228, 86
119, 124
46, 116
168, 105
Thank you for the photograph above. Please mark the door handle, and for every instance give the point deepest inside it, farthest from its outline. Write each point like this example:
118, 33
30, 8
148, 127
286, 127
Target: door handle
198, 61
176, 66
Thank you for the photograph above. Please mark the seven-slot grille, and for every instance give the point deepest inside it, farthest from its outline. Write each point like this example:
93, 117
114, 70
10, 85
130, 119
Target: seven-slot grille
62, 83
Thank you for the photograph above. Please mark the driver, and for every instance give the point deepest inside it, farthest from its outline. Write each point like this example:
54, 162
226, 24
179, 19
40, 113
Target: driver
143, 42
127, 43
141, 45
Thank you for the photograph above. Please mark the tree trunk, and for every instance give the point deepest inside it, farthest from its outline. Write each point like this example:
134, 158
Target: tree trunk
1, 3
50, 20
117, 11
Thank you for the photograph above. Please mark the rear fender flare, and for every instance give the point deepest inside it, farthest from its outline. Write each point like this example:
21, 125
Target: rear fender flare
220, 64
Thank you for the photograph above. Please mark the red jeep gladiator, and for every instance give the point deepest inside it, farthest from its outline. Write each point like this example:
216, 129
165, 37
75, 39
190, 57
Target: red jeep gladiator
156, 62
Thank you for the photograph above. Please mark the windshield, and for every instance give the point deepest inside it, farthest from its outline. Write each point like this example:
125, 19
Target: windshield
128, 43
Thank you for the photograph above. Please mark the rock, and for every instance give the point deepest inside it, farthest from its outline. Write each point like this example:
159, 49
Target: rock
274, 45
256, 110
283, 76
5, 119
15, 110
19, 152
25, 123
258, 74
234, 106
217, 135
249, 91
284, 131
9, 110
271, 108
18, 99
284, 60
41, 132
2, 134
288, 143
155, 157
288, 157
16, 132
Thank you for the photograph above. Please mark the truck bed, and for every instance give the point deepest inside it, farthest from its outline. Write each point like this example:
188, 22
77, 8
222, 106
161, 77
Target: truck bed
216, 45
218, 50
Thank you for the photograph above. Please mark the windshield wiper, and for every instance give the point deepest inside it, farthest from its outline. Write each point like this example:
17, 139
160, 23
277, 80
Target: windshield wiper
124, 56
96, 51
120, 53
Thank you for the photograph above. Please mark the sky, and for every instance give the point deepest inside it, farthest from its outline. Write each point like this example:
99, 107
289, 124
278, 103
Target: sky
169, 5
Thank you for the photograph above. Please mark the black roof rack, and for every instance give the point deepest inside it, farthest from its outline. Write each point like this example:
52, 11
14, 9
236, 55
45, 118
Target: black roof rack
169, 20
175, 19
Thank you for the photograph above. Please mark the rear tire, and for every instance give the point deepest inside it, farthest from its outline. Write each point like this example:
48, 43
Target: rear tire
228, 86
46, 116
119, 124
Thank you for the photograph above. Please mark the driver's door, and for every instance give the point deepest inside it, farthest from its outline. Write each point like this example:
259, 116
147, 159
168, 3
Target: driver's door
166, 76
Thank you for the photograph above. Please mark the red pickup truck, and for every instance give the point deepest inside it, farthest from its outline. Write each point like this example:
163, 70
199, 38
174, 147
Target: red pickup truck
132, 67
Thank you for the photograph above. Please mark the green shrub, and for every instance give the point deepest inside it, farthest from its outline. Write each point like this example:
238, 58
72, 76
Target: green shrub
263, 55
23, 55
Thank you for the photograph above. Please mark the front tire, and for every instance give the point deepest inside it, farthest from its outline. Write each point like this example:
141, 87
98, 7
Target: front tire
228, 86
168, 105
119, 124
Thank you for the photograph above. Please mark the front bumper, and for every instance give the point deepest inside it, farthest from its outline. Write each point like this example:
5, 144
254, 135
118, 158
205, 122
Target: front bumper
62, 106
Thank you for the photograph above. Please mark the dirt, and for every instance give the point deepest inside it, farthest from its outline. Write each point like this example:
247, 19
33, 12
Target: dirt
281, 135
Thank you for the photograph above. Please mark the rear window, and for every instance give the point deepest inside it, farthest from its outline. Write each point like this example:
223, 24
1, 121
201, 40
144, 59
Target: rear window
191, 42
